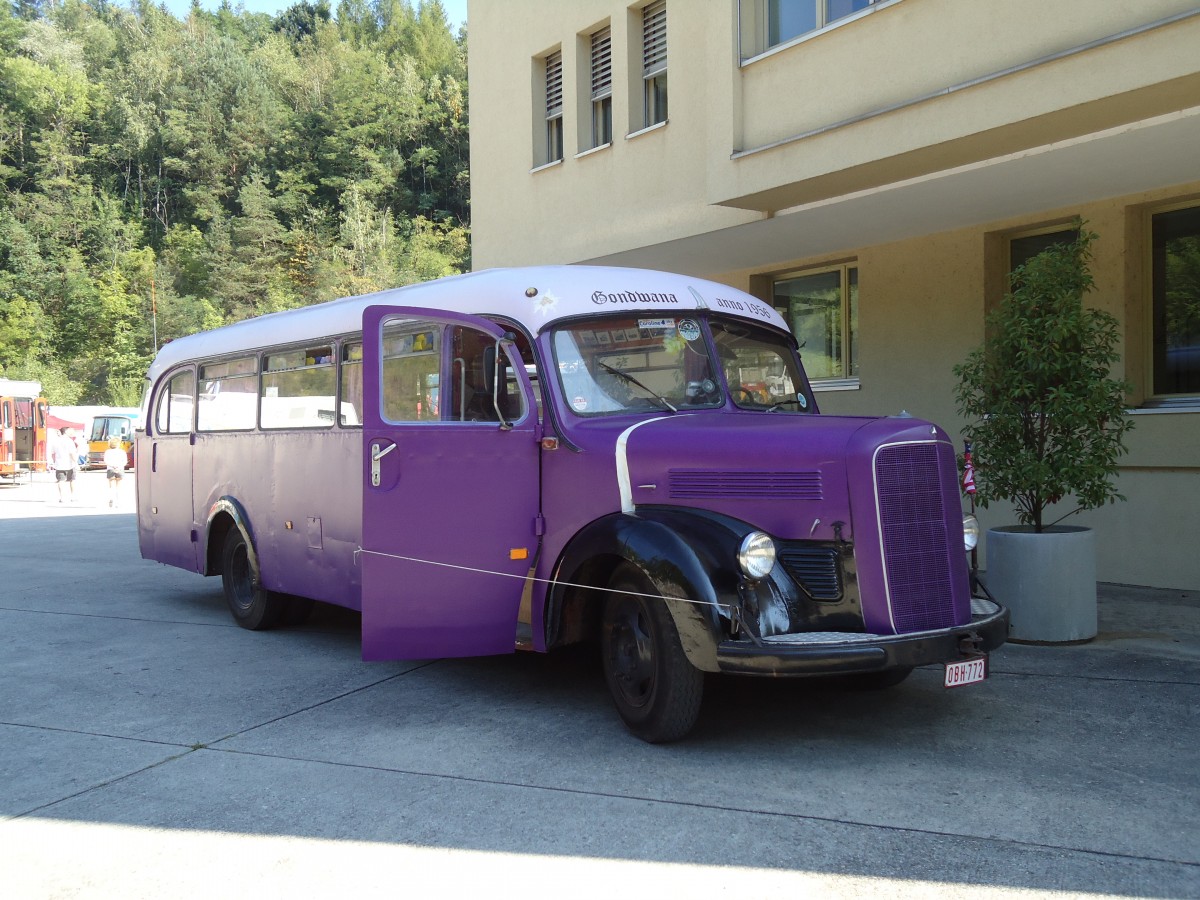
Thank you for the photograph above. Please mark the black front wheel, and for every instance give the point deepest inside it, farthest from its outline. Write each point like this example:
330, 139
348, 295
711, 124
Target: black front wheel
252, 606
656, 690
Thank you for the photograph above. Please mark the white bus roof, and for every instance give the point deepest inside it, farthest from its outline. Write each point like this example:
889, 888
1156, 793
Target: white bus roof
535, 297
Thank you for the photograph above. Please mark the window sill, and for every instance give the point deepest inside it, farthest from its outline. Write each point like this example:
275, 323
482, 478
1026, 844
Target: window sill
1169, 407
649, 128
592, 150
835, 384
545, 166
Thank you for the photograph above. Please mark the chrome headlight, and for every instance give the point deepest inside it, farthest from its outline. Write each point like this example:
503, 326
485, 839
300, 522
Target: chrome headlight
970, 532
756, 555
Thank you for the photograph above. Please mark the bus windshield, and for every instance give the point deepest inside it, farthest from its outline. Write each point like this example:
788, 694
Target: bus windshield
760, 368
106, 427
635, 363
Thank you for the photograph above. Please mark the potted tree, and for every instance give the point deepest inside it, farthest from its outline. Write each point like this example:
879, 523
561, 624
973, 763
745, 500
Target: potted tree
1048, 424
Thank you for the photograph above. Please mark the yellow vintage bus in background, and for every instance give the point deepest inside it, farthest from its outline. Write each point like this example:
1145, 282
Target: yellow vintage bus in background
117, 423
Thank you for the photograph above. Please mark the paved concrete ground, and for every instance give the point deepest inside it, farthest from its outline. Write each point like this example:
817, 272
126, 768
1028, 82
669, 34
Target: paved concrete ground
149, 747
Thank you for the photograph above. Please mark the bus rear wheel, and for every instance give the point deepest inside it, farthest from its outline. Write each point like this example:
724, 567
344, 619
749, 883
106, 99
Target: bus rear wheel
252, 606
656, 690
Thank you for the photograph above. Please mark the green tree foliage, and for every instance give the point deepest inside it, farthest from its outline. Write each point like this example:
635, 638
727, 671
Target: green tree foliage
1047, 421
159, 177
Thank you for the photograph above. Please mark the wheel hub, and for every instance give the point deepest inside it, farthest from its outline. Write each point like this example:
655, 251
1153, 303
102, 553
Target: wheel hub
632, 657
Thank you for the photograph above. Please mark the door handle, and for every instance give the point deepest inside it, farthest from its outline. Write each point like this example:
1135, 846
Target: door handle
378, 452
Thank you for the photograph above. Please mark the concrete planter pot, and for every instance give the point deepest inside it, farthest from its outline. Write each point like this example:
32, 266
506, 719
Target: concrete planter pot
1047, 581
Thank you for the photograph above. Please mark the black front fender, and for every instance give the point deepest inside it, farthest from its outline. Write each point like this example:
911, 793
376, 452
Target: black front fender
689, 555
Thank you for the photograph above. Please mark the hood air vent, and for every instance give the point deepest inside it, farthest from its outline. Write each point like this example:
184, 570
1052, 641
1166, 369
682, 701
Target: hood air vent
690, 484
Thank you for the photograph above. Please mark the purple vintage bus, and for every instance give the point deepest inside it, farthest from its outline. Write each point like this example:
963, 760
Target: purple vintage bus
531, 458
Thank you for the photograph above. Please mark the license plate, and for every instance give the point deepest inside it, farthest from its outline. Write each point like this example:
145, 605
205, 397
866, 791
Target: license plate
966, 671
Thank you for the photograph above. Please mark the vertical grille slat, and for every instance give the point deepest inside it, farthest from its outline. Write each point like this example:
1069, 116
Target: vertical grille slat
916, 545
816, 568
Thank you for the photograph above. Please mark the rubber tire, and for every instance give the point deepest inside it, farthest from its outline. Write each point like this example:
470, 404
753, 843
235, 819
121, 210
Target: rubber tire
656, 690
252, 606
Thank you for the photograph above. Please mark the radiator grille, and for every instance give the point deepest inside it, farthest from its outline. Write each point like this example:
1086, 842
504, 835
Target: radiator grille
687, 484
916, 547
816, 568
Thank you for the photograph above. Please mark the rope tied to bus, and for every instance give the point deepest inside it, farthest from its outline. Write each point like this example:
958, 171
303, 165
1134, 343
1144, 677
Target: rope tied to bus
729, 610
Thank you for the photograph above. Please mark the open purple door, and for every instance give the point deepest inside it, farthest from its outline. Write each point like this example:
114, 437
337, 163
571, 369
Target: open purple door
450, 491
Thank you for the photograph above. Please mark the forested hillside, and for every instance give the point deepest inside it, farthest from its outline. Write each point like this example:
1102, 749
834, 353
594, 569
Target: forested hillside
158, 176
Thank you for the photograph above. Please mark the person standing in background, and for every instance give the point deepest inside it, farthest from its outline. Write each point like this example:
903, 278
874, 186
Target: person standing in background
115, 460
64, 460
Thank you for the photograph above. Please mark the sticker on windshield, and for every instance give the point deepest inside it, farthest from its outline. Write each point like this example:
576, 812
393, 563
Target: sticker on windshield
689, 330
802, 401
656, 324
580, 403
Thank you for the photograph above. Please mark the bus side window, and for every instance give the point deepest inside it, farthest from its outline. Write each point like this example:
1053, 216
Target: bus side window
411, 371
470, 395
298, 388
174, 412
229, 401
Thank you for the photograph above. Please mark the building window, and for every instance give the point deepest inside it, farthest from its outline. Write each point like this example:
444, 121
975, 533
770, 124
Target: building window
602, 87
654, 63
554, 108
1024, 248
1175, 288
821, 307
769, 23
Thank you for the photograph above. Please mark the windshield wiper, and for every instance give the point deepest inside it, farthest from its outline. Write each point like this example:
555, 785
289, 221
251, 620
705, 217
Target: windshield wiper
782, 403
663, 400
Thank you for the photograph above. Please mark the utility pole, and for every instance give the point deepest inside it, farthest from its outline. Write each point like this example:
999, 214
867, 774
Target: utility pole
153, 314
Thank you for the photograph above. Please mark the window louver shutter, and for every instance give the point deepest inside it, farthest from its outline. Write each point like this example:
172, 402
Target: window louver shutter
654, 38
601, 64
554, 101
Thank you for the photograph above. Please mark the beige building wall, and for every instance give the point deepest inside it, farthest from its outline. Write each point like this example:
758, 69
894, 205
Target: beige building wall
913, 140
641, 189
921, 311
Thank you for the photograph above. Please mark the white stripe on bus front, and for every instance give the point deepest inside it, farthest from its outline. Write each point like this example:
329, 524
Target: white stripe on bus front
623, 485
